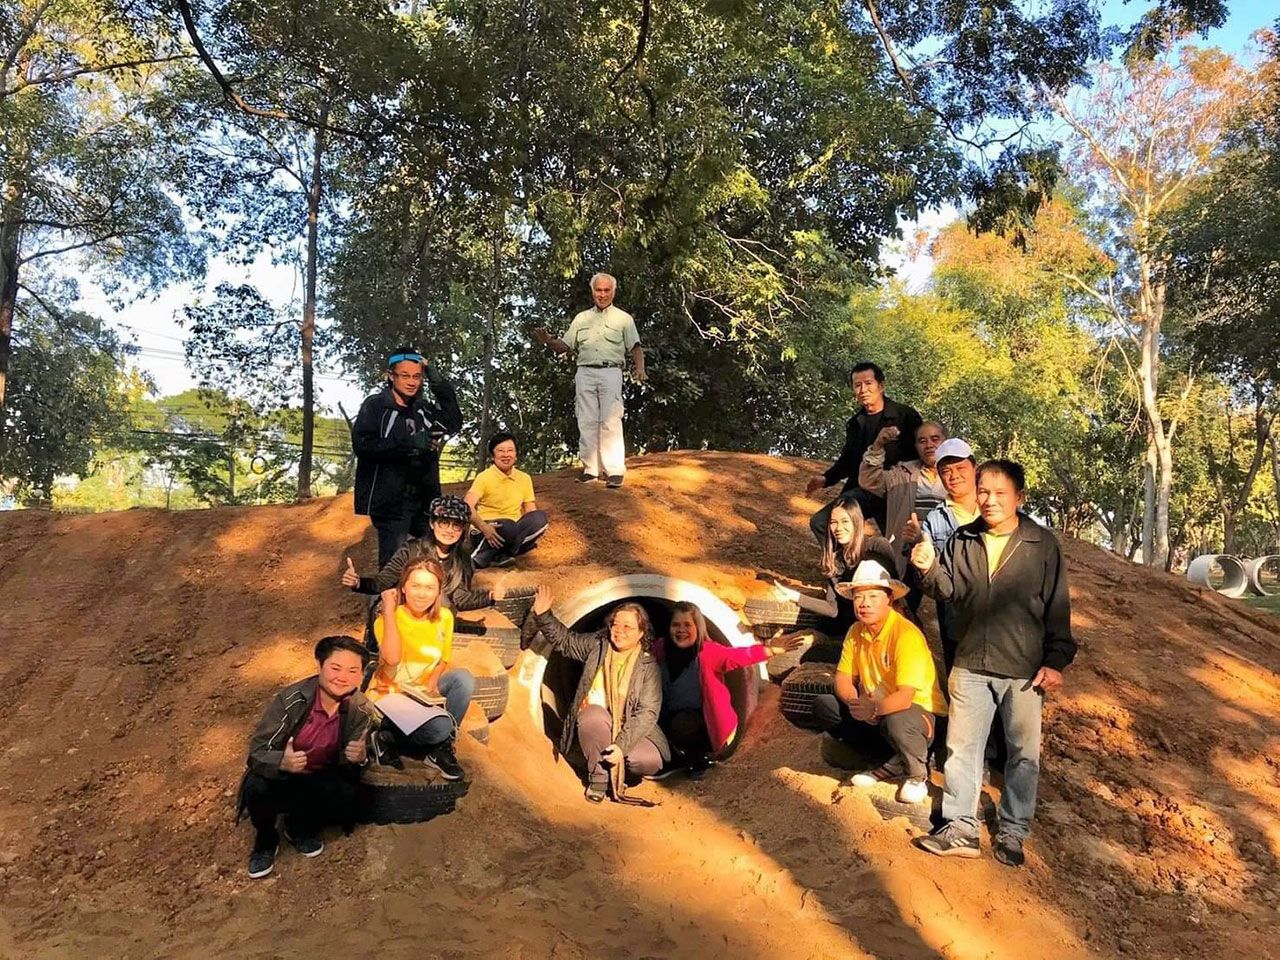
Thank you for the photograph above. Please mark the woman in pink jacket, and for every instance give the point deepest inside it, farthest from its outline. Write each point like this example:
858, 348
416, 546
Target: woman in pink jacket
697, 712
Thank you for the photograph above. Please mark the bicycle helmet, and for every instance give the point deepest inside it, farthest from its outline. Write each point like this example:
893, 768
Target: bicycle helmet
449, 508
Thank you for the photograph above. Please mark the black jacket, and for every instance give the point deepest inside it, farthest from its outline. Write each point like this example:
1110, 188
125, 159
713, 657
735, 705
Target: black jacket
644, 695
1017, 621
862, 429
393, 471
458, 592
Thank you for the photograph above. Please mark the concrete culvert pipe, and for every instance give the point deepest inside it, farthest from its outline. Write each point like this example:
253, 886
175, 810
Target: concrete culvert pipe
1220, 572
553, 679
1264, 574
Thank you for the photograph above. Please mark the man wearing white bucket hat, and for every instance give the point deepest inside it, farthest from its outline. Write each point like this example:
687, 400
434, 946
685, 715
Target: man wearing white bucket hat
887, 696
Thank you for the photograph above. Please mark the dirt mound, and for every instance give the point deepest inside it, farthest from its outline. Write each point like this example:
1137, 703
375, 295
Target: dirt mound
140, 647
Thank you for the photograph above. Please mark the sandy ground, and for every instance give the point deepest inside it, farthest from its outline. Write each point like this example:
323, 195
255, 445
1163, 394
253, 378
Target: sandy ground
139, 648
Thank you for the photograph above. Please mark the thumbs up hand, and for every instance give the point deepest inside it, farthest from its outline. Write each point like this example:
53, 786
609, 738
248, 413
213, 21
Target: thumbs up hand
923, 556
911, 532
349, 576
293, 761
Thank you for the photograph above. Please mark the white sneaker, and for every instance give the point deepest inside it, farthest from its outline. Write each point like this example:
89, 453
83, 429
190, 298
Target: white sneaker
913, 791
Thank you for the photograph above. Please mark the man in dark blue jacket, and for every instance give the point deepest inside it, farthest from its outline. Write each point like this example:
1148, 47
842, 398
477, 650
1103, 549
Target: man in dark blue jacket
397, 438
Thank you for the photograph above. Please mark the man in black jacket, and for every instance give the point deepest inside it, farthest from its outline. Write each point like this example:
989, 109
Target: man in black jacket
305, 755
396, 438
1005, 577
875, 412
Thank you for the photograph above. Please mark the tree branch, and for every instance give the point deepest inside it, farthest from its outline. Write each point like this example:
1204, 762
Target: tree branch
46, 79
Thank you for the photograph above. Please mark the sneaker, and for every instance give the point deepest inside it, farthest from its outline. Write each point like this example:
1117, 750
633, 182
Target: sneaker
869, 778
442, 758
585, 477
307, 846
261, 862
385, 752
698, 768
1008, 850
670, 770
596, 792
913, 791
947, 841
614, 483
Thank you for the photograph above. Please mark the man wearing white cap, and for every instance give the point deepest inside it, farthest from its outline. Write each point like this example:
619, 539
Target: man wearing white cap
887, 696
957, 469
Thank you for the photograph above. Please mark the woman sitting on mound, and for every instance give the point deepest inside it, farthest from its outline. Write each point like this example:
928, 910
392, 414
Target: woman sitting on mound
614, 712
848, 543
422, 701
697, 711
443, 542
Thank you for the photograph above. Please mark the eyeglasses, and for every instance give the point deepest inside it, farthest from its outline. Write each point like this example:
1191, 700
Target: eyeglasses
407, 376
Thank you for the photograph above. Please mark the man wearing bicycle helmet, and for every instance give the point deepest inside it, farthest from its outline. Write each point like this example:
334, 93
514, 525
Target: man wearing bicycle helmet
396, 438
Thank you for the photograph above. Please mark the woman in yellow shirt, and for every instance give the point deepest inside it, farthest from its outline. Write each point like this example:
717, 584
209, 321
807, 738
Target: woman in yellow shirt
415, 633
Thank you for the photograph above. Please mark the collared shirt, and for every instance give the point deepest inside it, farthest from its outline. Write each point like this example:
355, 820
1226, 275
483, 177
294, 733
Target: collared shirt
423, 645
897, 656
319, 736
995, 544
602, 337
501, 495
962, 515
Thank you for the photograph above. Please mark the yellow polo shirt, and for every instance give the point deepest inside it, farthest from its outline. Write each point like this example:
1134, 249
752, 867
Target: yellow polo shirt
995, 544
501, 495
424, 644
963, 516
602, 337
898, 656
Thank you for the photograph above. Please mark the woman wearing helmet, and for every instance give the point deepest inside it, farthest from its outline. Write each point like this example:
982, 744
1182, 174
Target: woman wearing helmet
443, 542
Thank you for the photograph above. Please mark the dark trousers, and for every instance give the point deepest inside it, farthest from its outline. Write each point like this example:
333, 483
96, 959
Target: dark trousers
687, 732
394, 531
519, 536
903, 737
307, 801
595, 732
873, 508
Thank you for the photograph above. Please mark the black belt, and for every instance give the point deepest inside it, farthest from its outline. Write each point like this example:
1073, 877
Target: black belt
602, 366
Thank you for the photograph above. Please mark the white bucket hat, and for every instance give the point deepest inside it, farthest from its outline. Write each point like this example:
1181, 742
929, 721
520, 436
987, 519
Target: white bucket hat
871, 574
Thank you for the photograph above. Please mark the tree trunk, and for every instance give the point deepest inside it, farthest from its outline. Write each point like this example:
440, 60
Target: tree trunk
1262, 423
9, 248
1158, 478
490, 342
315, 193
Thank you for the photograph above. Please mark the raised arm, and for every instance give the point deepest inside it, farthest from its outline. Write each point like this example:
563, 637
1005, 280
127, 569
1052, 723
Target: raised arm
577, 646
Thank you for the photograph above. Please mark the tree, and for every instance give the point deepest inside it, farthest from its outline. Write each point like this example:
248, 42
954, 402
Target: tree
1141, 140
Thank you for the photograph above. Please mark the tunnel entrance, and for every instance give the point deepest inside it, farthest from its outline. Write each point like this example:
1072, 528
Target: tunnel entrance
589, 610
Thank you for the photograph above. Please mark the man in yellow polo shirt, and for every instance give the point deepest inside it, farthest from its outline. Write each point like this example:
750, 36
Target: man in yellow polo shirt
887, 696
503, 509
600, 339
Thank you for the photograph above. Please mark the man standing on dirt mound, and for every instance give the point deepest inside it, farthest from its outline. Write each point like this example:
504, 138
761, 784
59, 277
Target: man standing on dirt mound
396, 439
875, 413
1005, 575
599, 340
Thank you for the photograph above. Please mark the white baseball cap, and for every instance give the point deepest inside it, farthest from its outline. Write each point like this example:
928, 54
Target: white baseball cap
871, 574
953, 449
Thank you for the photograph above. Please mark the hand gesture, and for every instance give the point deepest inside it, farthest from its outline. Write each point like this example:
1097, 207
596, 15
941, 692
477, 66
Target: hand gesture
356, 752
814, 485
1047, 680
639, 375
349, 576
787, 642
611, 755
492, 536
542, 599
923, 556
864, 709
911, 531
885, 437
542, 335
293, 761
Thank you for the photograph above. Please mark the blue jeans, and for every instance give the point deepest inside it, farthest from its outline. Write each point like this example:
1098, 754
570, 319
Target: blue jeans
456, 686
976, 698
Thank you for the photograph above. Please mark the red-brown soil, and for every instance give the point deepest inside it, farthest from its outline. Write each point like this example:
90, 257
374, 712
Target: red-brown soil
140, 647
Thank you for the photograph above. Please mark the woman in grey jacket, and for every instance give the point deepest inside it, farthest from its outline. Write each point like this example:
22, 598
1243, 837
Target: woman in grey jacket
614, 711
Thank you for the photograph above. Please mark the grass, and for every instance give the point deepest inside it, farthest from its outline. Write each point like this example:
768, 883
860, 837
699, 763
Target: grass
1270, 604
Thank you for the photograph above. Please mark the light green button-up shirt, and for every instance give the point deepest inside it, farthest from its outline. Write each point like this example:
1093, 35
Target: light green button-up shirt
602, 337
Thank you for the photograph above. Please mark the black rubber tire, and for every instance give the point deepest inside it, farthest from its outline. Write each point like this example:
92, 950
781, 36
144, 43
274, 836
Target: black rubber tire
803, 684
517, 603
491, 694
504, 641
406, 802
823, 650
782, 613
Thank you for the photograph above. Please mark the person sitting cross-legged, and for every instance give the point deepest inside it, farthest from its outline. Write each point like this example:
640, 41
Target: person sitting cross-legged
305, 756
614, 711
887, 697
502, 508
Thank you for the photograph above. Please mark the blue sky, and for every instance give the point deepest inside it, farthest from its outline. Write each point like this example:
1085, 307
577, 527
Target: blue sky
152, 326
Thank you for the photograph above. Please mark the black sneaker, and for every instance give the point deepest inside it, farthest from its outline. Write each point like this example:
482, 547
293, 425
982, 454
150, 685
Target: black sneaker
698, 768
948, 841
385, 751
1008, 850
596, 792
261, 862
307, 846
670, 770
442, 758
585, 477
614, 483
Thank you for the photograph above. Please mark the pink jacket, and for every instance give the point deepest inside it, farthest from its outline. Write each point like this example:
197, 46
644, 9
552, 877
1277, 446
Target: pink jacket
714, 661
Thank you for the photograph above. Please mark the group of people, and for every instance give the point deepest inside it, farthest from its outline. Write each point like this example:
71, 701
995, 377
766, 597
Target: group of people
917, 515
